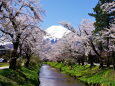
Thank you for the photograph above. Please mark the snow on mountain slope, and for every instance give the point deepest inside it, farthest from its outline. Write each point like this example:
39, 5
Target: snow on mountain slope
56, 32
5, 43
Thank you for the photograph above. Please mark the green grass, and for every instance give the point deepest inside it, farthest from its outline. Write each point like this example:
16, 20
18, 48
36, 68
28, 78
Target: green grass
87, 74
21, 77
4, 64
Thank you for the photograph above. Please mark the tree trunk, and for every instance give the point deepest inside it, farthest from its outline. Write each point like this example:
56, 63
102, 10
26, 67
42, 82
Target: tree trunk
27, 62
101, 65
12, 63
114, 66
108, 63
78, 62
113, 57
82, 62
14, 56
93, 47
91, 63
91, 59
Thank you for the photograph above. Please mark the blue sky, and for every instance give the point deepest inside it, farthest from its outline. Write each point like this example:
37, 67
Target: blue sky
72, 11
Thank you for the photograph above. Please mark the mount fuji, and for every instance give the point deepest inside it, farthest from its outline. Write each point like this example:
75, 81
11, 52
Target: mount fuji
56, 32
6, 45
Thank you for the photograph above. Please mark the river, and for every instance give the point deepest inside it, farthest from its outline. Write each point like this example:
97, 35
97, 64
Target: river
51, 77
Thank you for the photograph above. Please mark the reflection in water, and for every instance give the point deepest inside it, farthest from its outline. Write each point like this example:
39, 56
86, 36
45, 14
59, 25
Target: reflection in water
51, 77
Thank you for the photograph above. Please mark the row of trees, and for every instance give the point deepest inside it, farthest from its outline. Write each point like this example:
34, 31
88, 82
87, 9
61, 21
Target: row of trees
92, 42
19, 24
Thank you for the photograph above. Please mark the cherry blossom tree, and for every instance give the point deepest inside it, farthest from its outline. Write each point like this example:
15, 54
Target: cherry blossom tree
85, 34
16, 17
31, 44
95, 44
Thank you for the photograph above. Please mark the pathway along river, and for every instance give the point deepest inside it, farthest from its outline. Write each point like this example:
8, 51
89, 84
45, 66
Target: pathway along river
52, 77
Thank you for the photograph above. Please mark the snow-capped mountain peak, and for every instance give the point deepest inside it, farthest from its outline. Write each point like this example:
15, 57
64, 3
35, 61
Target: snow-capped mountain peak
56, 32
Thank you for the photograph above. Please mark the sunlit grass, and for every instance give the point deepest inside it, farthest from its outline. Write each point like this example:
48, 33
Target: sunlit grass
4, 64
21, 77
87, 74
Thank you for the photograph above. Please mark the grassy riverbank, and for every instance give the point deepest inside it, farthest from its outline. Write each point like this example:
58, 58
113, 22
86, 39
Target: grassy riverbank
4, 64
94, 75
21, 77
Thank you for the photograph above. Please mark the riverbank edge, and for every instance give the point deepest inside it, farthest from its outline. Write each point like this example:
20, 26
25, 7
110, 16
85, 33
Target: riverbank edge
86, 74
21, 77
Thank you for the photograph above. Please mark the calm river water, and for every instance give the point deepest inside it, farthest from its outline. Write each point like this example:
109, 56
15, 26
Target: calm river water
52, 77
